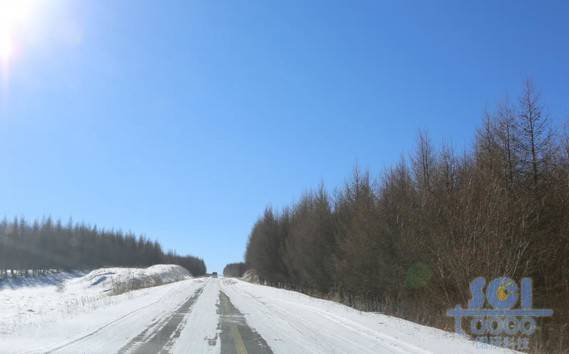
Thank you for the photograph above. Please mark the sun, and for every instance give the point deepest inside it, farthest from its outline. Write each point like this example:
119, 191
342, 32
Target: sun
15, 15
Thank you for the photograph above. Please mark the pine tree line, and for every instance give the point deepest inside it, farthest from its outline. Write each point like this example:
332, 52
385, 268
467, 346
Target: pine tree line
31, 249
409, 242
234, 270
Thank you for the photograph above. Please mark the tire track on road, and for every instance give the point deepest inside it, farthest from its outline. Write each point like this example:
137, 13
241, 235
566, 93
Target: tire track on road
236, 336
294, 314
165, 335
102, 328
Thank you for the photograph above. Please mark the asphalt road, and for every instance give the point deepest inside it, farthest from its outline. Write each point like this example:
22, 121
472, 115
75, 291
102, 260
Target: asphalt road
209, 316
160, 338
235, 336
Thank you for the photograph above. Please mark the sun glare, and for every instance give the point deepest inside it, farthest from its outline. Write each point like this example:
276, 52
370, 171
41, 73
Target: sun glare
15, 15
6, 48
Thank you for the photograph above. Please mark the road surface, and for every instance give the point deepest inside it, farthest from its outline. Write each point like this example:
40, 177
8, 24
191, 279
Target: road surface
211, 315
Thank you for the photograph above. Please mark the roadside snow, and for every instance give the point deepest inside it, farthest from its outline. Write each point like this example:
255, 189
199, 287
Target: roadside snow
51, 298
119, 280
292, 322
106, 328
79, 316
52, 278
251, 276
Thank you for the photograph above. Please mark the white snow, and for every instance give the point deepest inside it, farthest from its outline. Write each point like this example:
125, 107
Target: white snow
251, 276
50, 298
200, 334
291, 322
119, 280
75, 313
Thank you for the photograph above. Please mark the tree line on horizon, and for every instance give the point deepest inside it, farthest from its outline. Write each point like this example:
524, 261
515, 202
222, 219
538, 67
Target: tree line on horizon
235, 270
47, 245
409, 242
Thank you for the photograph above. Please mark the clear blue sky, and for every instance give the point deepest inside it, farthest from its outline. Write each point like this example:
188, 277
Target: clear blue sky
182, 120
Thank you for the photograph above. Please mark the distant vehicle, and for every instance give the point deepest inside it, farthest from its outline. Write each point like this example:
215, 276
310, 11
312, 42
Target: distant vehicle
214, 274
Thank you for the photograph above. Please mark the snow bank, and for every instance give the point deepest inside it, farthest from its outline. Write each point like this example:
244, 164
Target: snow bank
251, 276
50, 298
292, 322
120, 280
49, 279
110, 326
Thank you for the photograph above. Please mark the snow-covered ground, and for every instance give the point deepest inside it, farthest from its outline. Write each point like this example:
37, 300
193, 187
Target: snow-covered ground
78, 314
51, 298
291, 322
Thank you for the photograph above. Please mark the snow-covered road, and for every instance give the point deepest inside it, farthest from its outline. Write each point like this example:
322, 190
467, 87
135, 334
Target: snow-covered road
291, 322
111, 327
208, 315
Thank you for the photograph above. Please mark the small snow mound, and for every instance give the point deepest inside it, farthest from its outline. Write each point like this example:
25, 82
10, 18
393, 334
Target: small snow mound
251, 276
51, 278
169, 272
120, 280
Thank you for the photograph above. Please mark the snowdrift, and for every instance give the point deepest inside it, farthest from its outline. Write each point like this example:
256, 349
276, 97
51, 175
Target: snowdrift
51, 297
292, 322
50, 279
120, 280
251, 276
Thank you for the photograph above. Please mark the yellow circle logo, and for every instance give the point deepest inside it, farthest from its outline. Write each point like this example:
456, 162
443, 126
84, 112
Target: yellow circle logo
502, 293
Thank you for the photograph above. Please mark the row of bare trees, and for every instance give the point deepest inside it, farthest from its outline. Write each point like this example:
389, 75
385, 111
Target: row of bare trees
29, 249
409, 242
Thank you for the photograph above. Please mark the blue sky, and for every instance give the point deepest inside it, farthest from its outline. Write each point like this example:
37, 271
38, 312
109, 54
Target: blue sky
182, 120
